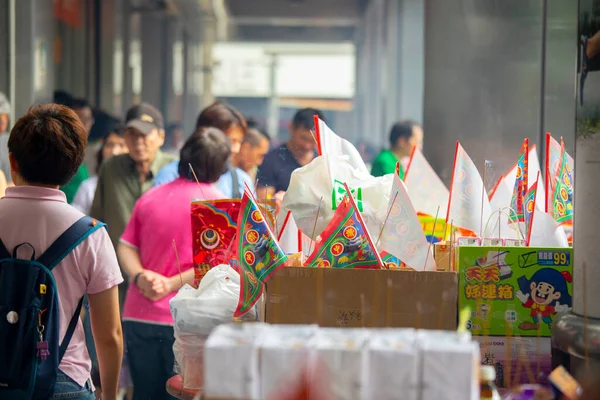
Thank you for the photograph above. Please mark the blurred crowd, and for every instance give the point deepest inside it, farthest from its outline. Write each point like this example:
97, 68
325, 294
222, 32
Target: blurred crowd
138, 176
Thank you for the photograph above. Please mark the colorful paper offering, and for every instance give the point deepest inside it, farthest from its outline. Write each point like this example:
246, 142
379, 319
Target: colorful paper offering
516, 290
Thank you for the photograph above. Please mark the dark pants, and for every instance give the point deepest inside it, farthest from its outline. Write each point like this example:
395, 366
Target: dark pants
151, 359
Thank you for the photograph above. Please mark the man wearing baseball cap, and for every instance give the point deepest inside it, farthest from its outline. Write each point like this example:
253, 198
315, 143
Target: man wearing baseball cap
124, 178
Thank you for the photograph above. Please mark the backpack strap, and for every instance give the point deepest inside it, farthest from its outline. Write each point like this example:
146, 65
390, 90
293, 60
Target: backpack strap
235, 184
4, 253
67, 242
70, 331
57, 251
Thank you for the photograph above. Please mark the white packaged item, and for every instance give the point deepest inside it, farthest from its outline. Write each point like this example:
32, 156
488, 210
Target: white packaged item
284, 355
338, 358
449, 369
231, 359
391, 366
322, 183
426, 335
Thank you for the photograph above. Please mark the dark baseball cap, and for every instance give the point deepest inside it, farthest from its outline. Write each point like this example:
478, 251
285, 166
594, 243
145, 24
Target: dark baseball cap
145, 118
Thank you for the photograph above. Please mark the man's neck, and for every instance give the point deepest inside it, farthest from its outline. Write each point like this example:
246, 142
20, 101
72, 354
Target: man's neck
398, 153
143, 169
303, 158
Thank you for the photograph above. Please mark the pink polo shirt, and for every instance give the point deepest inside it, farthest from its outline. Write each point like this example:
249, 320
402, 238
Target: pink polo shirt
39, 216
160, 216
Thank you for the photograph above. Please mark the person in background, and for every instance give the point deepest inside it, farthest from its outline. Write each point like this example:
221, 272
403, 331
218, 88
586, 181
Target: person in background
228, 119
175, 138
276, 170
84, 112
47, 146
4, 119
162, 216
253, 149
113, 144
404, 137
124, 178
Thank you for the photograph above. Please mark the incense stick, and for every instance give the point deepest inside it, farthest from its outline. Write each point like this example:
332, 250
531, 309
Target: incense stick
528, 370
538, 350
437, 213
197, 181
178, 263
385, 220
315, 227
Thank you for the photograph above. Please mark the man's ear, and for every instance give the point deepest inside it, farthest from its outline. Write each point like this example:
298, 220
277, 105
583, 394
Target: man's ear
532, 285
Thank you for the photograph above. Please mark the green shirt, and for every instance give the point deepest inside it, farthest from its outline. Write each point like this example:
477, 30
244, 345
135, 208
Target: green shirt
119, 187
70, 189
385, 163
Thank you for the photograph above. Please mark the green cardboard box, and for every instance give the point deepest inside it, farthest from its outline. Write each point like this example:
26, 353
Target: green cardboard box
514, 290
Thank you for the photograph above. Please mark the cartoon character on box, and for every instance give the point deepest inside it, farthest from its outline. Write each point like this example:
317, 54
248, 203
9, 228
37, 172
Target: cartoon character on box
546, 294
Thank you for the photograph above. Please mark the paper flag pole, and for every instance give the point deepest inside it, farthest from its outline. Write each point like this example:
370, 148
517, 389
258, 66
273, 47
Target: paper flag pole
403, 235
529, 206
288, 235
259, 254
330, 143
521, 184
465, 204
345, 242
424, 186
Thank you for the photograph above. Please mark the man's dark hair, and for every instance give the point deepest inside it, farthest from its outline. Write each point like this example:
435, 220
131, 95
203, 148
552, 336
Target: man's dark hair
256, 126
401, 129
115, 129
48, 144
207, 151
305, 118
222, 116
254, 137
78, 104
63, 98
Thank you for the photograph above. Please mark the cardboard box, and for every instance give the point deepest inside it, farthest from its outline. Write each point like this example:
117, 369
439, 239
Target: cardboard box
517, 358
355, 298
514, 290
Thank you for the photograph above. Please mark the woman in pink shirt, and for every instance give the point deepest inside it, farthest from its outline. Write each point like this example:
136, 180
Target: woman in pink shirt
146, 252
46, 147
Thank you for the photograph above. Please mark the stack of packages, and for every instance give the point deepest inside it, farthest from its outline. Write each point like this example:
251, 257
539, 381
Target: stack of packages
515, 265
260, 361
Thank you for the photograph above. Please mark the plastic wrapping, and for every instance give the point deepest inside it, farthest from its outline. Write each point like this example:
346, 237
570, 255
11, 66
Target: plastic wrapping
196, 312
322, 182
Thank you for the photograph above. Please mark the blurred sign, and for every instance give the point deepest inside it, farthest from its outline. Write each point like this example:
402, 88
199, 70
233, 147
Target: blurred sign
240, 72
68, 11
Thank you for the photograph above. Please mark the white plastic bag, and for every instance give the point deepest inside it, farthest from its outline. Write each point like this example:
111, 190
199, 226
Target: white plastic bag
324, 179
196, 312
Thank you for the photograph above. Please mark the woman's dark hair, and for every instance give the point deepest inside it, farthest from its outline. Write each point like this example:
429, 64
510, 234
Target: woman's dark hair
117, 129
402, 129
207, 151
221, 116
48, 144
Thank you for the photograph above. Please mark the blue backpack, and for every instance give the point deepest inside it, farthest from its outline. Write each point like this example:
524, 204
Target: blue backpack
29, 316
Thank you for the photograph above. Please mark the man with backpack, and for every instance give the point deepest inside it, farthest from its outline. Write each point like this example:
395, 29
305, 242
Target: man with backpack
51, 255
